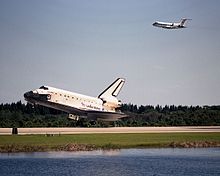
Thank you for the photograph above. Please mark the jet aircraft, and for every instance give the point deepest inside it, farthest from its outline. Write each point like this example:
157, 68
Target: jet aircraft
166, 25
103, 108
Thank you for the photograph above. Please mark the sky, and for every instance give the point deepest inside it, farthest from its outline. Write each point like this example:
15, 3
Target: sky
84, 45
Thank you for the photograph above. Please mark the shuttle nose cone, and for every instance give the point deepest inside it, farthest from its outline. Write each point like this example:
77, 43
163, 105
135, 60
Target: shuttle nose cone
28, 94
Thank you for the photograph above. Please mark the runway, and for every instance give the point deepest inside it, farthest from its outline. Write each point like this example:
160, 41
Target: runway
185, 129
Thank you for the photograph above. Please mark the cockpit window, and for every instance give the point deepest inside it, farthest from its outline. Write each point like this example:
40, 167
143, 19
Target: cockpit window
44, 88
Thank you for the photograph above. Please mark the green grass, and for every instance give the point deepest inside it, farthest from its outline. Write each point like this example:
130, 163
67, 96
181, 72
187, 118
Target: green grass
105, 141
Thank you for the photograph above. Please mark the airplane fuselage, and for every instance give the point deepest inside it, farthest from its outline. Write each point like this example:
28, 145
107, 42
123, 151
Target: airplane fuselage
76, 104
168, 25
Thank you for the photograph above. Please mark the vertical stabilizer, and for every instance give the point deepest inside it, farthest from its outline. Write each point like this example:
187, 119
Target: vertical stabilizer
183, 20
113, 90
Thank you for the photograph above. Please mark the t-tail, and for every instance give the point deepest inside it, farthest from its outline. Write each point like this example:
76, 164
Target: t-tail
109, 95
183, 21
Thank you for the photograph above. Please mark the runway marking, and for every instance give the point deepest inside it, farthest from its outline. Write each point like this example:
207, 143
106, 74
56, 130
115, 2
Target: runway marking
186, 129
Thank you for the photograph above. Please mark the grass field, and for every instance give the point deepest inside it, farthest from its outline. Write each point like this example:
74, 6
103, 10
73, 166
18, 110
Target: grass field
104, 141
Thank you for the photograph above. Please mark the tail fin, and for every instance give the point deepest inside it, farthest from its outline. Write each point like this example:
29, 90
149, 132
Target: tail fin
113, 90
183, 20
108, 96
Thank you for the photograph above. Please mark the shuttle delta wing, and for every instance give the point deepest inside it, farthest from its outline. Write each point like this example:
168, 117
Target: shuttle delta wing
105, 116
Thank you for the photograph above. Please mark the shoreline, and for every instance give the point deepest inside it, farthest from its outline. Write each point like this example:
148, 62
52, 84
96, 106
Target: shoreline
72, 147
89, 142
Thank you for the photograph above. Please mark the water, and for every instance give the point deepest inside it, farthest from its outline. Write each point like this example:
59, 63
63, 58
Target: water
152, 162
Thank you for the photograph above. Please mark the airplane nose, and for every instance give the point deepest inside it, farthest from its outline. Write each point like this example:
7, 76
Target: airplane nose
28, 94
33, 95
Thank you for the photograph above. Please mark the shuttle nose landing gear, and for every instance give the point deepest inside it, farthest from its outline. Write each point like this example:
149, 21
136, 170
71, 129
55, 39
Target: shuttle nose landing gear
73, 117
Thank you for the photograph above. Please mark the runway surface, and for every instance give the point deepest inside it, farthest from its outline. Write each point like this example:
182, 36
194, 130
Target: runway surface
26, 131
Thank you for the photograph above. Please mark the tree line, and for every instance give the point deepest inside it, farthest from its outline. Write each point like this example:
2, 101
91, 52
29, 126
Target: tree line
27, 115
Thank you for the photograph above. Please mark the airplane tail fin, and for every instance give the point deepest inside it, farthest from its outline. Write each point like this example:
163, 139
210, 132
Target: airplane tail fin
109, 95
183, 20
113, 90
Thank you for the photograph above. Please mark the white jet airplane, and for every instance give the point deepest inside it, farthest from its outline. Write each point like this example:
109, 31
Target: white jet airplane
171, 25
103, 108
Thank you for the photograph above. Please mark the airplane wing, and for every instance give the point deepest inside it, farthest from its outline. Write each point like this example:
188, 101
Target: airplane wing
95, 115
105, 116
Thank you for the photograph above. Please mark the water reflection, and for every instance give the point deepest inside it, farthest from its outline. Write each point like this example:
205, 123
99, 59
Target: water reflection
126, 162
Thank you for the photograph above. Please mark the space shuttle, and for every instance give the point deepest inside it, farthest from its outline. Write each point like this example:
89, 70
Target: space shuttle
167, 25
104, 107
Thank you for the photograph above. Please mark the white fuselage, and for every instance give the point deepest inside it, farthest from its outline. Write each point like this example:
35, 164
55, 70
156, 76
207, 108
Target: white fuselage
102, 107
168, 25
55, 97
75, 100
